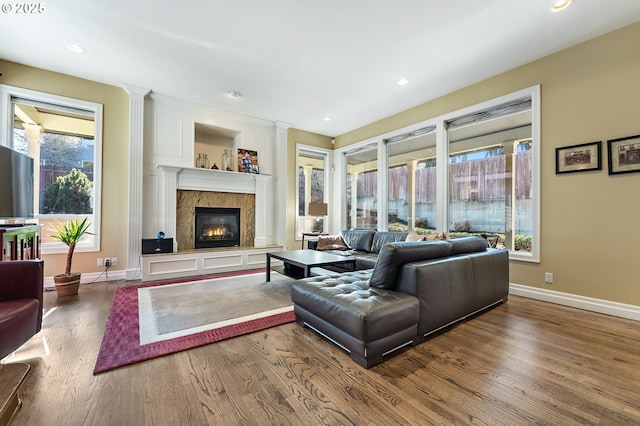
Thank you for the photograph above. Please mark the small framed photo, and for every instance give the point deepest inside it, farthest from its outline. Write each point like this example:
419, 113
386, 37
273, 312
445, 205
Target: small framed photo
579, 158
248, 161
624, 155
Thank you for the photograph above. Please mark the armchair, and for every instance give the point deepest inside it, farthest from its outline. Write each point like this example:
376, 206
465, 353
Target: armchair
21, 288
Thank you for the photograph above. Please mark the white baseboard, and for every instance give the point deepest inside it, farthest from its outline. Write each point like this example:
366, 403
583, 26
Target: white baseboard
91, 277
575, 301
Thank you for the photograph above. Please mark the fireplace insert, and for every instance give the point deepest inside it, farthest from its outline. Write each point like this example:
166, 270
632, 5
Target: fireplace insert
217, 227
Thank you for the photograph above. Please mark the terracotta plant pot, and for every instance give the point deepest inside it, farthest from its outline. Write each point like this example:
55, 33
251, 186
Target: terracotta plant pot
67, 285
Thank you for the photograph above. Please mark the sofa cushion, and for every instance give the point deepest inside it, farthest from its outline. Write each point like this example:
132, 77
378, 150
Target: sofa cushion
382, 238
365, 260
467, 245
394, 255
358, 239
332, 242
414, 236
440, 236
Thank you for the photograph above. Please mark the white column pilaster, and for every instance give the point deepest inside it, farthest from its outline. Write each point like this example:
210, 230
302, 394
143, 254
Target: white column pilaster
136, 145
280, 181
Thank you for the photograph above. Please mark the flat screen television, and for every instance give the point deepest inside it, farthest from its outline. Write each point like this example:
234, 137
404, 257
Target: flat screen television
16, 184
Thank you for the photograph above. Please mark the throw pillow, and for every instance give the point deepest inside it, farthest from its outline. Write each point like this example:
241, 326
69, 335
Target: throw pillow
331, 242
440, 236
414, 236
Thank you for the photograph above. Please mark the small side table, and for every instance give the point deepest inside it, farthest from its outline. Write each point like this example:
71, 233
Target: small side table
310, 234
492, 239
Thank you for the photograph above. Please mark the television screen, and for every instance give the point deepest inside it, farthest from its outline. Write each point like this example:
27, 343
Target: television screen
16, 184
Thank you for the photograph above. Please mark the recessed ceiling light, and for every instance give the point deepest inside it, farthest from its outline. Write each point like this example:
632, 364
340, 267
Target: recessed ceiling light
327, 119
403, 81
234, 94
75, 48
560, 5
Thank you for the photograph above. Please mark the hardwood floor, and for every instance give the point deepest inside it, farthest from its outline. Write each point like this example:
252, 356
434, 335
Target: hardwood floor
524, 362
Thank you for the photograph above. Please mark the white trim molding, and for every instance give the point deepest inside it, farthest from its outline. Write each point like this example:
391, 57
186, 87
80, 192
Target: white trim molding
136, 145
93, 277
607, 307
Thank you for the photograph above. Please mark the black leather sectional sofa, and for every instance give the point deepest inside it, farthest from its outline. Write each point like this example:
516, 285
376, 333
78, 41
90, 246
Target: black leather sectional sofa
414, 289
365, 244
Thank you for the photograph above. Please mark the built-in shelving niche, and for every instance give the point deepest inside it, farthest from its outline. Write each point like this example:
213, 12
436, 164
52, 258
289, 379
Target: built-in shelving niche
213, 141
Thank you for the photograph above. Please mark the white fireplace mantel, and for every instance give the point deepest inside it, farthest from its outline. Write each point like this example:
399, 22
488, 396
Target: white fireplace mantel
188, 178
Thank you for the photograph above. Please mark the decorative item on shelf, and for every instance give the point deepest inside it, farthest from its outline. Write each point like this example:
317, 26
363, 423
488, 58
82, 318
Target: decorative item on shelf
199, 161
226, 160
214, 167
248, 161
70, 234
205, 162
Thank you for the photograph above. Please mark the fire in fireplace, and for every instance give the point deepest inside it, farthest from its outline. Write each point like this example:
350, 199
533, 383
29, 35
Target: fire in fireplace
217, 227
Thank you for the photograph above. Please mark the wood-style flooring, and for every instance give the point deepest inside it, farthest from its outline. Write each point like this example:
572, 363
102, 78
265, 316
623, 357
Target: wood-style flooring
524, 362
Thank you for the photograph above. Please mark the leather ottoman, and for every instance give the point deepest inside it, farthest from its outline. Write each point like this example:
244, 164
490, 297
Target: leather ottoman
367, 322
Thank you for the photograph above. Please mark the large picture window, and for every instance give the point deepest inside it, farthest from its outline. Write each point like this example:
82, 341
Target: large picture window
411, 201
63, 136
362, 188
474, 171
490, 175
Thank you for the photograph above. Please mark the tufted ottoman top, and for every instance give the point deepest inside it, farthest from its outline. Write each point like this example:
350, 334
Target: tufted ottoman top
346, 301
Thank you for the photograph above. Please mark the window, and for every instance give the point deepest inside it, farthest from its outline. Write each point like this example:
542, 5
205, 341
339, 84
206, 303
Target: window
362, 188
411, 202
312, 189
474, 171
64, 137
490, 174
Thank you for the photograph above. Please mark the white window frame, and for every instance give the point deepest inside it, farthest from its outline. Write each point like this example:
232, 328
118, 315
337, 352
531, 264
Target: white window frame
534, 94
326, 153
442, 161
7, 93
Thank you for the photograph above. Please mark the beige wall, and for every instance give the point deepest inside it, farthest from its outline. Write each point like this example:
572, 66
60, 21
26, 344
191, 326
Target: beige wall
589, 221
295, 136
115, 150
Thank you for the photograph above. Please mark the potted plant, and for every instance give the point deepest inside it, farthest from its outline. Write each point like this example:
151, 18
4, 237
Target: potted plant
69, 233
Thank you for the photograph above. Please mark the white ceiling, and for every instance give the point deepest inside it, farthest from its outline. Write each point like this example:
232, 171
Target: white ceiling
299, 61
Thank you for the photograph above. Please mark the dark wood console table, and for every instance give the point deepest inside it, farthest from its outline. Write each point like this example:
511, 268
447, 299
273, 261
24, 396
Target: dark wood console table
20, 242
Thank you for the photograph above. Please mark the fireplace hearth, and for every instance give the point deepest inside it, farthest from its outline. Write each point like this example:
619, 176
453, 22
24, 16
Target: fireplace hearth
217, 227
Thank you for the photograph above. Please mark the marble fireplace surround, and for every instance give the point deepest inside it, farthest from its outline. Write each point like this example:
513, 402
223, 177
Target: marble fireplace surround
189, 200
184, 188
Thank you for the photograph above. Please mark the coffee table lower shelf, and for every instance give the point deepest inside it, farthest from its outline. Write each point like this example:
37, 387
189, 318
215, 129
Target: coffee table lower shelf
299, 264
297, 273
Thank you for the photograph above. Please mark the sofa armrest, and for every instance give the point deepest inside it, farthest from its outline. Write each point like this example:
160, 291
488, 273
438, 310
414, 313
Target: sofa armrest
22, 279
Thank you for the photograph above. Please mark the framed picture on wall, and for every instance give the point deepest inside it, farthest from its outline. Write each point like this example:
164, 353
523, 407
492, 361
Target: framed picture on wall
624, 155
579, 158
248, 161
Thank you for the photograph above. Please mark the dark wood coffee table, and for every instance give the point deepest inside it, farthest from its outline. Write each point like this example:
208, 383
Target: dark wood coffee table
298, 263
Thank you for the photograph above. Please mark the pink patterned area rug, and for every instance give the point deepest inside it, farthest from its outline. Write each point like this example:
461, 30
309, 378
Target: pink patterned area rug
121, 342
